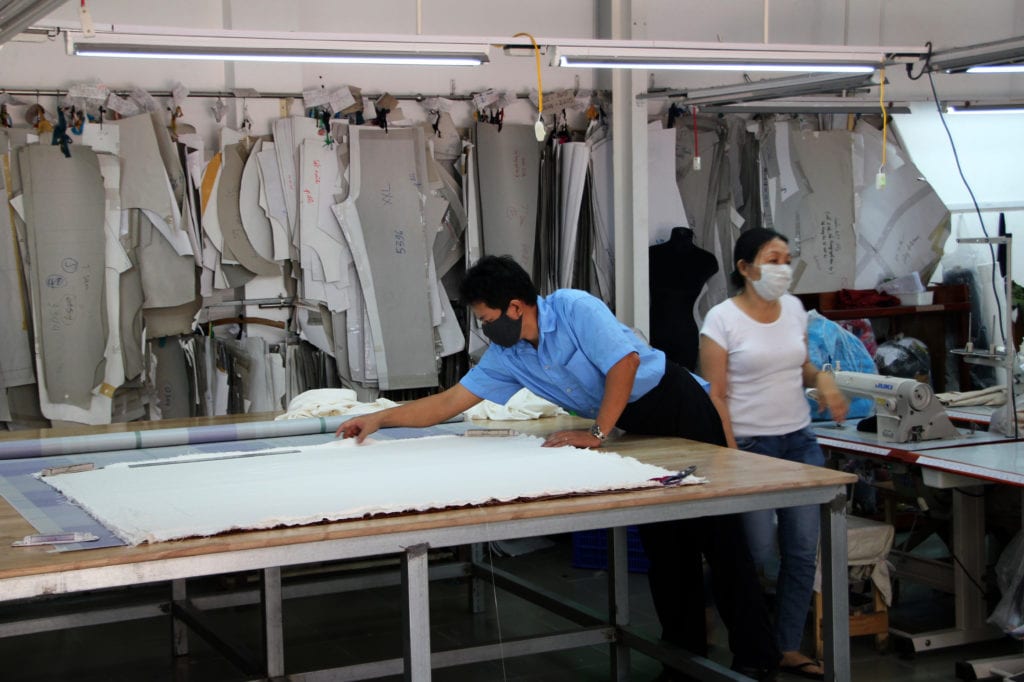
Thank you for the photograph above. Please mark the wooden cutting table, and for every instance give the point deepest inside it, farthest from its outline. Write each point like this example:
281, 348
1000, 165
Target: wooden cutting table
739, 482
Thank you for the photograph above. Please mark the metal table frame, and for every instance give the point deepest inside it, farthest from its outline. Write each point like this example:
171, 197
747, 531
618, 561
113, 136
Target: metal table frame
944, 465
411, 546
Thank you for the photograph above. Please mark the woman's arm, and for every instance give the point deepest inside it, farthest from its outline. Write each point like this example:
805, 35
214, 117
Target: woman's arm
714, 367
829, 395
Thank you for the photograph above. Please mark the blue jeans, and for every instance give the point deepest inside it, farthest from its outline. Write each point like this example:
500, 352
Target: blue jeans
797, 536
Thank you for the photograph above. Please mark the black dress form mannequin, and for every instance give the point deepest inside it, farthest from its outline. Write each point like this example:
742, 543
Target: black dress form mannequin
678, 271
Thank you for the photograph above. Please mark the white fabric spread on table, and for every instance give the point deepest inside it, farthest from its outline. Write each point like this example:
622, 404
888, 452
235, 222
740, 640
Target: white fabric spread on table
202, 495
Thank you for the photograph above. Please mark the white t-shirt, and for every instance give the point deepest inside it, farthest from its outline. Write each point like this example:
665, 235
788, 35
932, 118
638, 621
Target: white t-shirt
765, 371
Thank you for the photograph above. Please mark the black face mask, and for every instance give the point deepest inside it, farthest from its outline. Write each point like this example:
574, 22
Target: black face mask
503, 331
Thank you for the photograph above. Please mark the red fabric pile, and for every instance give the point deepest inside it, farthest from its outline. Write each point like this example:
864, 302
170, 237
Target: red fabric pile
864, 298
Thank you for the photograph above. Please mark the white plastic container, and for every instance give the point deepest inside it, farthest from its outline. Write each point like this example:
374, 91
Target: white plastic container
919, 298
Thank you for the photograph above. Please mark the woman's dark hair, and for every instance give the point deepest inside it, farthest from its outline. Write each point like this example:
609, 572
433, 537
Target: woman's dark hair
747, 247
495, 281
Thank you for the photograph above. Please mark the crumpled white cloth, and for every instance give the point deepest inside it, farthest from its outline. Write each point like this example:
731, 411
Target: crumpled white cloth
331, 402
523, 405
868, 546
993, 395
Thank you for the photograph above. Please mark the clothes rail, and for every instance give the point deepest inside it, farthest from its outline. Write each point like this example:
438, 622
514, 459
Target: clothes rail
225, 94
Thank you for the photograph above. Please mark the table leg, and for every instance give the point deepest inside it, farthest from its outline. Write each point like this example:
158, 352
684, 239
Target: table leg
618, 599
981, 668
273, 626
835, 590
179, 631
476, 585
416, 632
969, 548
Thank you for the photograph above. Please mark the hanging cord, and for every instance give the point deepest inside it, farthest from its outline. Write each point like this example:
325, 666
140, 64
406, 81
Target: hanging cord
885, 120
977, 208
497, 616
696, 143
539, 126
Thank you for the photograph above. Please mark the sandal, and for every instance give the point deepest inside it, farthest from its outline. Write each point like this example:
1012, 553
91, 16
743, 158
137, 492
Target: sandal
802, 670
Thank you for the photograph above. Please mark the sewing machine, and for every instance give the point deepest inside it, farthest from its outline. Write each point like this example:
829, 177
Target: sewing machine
906, 409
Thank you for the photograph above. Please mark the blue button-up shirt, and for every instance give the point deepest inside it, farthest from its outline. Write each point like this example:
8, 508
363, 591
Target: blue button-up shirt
580, 340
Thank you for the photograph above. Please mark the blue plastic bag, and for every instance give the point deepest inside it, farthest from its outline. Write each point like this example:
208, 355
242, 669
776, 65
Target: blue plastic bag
827, 342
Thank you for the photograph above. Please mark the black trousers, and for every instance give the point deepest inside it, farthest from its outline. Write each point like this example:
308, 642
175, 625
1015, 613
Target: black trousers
678, 406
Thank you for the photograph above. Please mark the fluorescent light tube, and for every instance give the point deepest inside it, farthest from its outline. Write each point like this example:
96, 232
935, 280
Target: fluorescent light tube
998, 56
282, 55
1002, 68
592, 63
985, 109
279, 49
737, 57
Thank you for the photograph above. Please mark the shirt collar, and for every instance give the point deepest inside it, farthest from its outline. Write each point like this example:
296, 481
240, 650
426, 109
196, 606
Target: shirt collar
546, 321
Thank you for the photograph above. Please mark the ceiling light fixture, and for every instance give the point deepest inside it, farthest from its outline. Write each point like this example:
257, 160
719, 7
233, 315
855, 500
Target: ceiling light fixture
281, 48
741, 57
835, 105
771, 88
999, 56
969, 108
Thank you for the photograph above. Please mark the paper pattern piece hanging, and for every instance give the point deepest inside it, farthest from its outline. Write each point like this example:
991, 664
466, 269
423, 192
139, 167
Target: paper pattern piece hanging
507, 165
203, 495
16, 363
664, 203
809, 181
64, 207
383, 221
901, 228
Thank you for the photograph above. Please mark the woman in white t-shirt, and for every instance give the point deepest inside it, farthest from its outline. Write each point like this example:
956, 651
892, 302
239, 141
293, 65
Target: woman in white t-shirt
753, 350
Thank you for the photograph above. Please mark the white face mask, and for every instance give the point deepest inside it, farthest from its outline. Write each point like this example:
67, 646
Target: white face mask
774, 282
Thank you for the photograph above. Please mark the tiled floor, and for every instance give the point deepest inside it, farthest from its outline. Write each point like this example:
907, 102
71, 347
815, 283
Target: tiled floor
346, 628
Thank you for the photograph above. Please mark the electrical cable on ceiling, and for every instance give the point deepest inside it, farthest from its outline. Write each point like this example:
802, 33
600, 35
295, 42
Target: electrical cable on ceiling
538, 127
1007, 344
974, 200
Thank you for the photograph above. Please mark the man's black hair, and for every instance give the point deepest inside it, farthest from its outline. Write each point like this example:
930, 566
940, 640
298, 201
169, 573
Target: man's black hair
495, 281
747, 247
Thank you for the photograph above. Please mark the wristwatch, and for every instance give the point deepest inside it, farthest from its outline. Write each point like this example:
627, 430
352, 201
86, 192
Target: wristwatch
596, 432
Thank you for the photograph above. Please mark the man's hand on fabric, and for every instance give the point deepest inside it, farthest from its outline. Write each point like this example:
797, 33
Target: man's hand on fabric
359, 427
577, 439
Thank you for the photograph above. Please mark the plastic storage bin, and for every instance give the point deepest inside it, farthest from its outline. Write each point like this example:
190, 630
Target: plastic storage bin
590, 550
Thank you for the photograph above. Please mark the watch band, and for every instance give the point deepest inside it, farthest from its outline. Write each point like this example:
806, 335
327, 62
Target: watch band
596, 431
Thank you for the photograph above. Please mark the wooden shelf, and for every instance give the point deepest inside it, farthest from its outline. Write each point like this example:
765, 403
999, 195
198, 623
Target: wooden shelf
946, 298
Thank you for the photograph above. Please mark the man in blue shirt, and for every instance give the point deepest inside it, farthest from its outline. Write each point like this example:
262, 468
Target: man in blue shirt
569, 348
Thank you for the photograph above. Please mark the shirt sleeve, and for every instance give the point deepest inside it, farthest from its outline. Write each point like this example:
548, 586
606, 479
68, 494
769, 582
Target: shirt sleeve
600, 336
714, 327
490, 380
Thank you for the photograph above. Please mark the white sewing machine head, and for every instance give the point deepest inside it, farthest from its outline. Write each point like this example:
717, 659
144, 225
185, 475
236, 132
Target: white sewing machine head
906, 408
